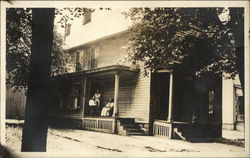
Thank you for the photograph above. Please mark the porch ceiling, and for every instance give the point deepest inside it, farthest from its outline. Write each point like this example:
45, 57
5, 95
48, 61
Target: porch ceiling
105, 73
109, 71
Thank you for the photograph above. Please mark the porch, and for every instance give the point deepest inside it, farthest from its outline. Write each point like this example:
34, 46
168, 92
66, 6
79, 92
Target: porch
121, 126
79, 87
181, 109
188, 131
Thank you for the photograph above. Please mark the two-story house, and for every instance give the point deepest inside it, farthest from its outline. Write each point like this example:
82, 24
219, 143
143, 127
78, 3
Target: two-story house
170, 102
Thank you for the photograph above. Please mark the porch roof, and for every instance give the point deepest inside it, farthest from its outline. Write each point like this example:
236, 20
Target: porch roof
101, 72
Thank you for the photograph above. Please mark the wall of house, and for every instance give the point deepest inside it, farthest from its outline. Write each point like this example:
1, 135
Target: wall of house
228, 104
230, 128
133, 97
111, 51
134, 93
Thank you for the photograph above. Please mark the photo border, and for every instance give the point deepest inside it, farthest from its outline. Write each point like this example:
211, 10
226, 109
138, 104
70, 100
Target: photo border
123, 4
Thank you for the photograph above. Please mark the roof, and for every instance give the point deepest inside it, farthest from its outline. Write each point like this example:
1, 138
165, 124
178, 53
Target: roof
104, 26
101, 72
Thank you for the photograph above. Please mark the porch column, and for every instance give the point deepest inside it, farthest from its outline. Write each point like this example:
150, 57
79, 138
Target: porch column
116, 93
84, 95
170, 103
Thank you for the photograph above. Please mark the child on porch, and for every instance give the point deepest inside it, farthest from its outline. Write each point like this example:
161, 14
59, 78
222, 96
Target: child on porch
106, 110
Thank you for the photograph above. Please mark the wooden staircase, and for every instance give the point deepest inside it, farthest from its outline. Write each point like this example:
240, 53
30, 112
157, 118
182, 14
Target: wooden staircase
128, 126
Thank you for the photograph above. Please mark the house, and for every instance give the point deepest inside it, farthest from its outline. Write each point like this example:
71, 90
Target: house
170, 103
233, 117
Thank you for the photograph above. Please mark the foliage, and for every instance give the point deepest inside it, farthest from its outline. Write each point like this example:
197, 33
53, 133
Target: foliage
69, 14
18, 43
18, 48
192, 37
58, 56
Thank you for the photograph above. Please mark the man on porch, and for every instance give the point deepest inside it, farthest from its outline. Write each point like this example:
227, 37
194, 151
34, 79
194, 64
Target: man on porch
93, 106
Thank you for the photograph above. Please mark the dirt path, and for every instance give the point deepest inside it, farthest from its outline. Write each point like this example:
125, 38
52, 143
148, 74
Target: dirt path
94, 141
80, 141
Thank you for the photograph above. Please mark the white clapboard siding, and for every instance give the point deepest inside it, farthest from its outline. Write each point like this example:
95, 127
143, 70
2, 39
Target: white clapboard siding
134, 93
133, 98
110, 51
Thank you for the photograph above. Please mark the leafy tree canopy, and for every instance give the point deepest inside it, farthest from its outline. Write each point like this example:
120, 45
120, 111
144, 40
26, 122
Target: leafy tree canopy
18, 44
196, 38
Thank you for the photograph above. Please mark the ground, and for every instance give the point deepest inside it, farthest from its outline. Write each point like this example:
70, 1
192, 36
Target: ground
81, 141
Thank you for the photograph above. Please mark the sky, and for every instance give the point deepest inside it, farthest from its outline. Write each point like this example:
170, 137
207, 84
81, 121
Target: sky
77, 22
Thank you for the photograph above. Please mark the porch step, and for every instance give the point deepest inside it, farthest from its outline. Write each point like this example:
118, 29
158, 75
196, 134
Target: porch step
128, 126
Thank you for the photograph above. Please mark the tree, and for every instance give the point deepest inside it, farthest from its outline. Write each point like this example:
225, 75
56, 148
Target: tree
37, 65
38, 62
193, 37
36, 113
18, 43
18, 46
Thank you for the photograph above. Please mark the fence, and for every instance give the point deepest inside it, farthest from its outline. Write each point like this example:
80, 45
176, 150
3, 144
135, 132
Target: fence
15, 103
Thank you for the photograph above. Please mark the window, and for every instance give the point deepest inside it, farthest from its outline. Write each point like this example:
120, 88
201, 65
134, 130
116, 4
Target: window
67, 29
95, 56
239, 104
87, 59
211, 102
91, 57
79, 60
75, 96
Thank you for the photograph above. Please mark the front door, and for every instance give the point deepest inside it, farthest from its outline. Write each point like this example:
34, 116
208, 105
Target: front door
184, 96
160, 95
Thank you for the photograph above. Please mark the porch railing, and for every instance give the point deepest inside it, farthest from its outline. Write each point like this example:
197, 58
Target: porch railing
162, 128
99, 124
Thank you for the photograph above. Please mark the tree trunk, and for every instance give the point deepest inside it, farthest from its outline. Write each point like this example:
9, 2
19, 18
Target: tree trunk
36, 112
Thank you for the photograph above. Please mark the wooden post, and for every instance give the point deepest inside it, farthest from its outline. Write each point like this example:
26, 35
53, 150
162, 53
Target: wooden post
84, 96
170, 103
116, 93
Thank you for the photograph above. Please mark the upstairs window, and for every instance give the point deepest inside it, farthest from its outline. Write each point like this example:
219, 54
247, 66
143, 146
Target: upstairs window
95, 57
91, 56
87, 59
67, 30
79, 60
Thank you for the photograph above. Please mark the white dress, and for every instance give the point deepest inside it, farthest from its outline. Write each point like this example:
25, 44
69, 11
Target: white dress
106, 109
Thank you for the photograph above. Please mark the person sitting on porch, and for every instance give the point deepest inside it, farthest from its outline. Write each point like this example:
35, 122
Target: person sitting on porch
93, 106
108, 108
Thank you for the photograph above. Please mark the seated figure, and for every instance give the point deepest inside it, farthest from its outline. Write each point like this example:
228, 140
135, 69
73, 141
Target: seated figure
93, 106
106, 110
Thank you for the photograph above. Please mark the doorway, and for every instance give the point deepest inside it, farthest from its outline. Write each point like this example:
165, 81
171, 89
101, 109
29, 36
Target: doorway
160, 95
